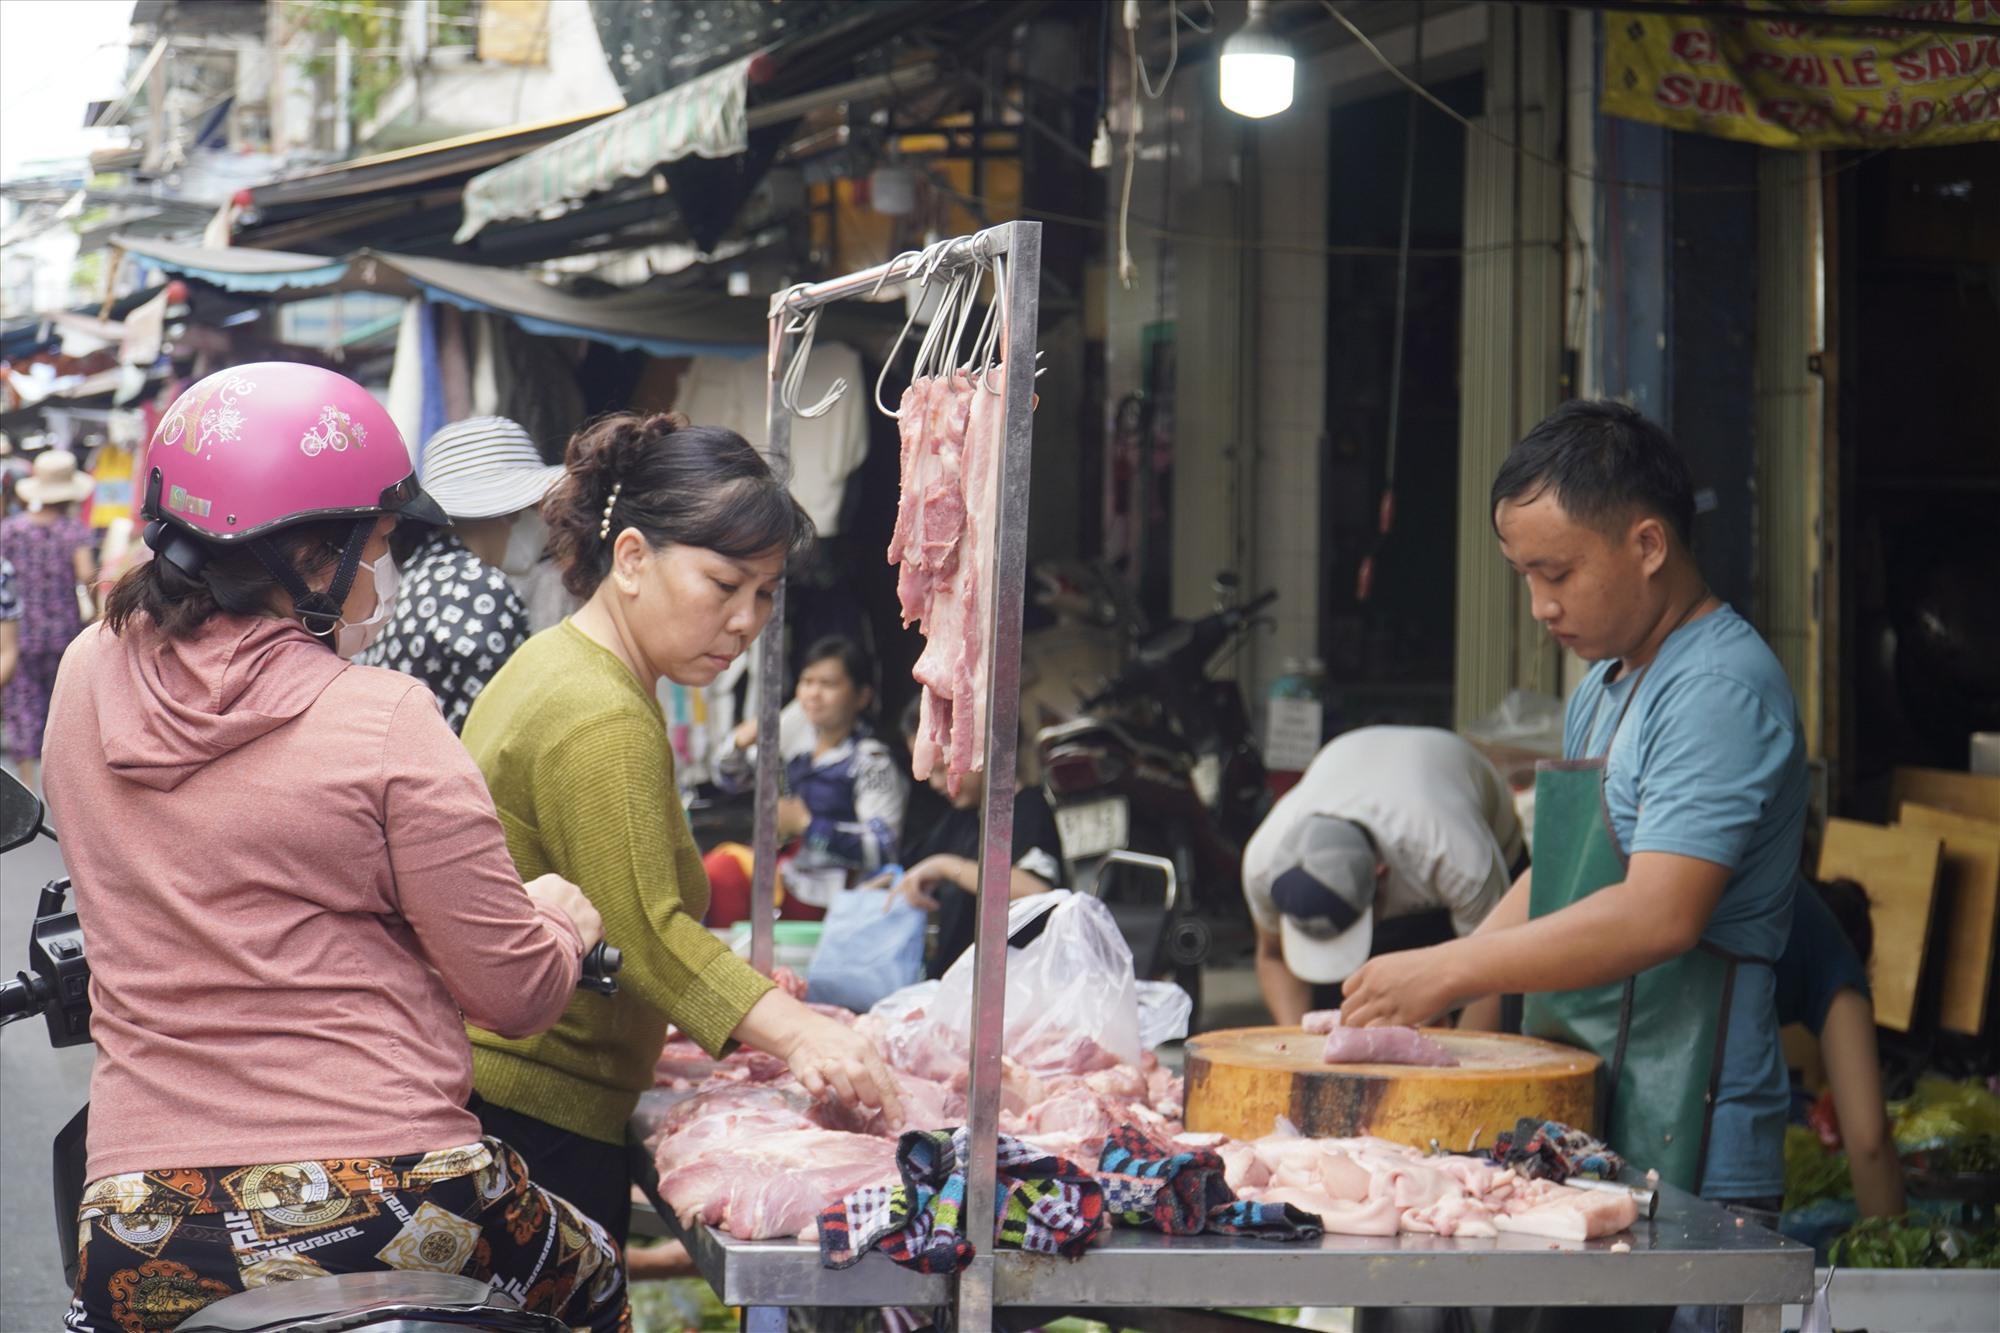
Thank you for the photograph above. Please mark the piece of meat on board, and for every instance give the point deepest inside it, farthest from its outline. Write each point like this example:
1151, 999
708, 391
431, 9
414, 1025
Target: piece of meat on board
1375, 1045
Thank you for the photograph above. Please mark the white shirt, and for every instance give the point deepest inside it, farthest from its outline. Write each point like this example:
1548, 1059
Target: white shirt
725, 391
1442, 819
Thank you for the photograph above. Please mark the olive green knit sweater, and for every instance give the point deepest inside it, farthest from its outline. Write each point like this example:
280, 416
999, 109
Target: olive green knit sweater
576, 756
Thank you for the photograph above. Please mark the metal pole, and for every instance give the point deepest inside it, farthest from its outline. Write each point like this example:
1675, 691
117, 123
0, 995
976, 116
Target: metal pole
958, 250
770, 679
996, 845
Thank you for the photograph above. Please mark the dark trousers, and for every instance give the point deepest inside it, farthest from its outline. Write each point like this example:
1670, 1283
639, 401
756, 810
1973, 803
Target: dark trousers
594, 1177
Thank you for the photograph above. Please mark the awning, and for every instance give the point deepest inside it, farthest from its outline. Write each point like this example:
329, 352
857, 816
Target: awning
657, 323
703, 117
660, 323
235, 269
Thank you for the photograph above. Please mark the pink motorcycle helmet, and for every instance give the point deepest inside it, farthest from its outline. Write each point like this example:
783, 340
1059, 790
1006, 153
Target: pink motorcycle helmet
255, 448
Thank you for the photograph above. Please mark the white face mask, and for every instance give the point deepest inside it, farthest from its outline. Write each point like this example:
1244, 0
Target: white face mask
350, 637
525, 543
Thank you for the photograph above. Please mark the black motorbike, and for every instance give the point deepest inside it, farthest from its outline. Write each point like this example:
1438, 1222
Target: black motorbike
56, 986
1157, 787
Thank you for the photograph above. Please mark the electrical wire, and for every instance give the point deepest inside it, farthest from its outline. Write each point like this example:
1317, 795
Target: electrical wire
1161, 232
1385, 511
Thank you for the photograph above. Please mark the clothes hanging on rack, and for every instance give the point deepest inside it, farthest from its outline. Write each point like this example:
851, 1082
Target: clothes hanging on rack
406, 376
722, 391
454, 364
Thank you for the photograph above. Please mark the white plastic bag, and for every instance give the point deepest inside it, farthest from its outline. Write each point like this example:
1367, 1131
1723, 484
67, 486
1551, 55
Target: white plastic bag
1072, 1002
1164, 1011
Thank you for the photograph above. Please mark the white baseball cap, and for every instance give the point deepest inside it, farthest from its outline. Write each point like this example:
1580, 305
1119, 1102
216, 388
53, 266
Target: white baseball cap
1326, 893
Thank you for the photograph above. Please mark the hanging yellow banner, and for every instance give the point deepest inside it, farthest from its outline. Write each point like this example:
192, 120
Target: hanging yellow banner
1792, 80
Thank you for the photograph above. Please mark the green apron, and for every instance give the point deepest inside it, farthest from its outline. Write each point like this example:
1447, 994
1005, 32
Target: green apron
1662, 1033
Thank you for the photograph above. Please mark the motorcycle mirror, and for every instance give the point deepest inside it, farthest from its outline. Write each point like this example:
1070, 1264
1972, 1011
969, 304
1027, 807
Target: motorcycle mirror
20, 813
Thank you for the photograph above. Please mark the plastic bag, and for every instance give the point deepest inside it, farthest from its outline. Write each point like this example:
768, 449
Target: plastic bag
1072, 1002
1164, 1011
1940, 1113
866, 953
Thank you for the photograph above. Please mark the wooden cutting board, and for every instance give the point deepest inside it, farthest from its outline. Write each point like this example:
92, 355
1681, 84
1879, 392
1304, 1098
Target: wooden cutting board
1971, 890
1239, 1081
1974, 794
1899, 869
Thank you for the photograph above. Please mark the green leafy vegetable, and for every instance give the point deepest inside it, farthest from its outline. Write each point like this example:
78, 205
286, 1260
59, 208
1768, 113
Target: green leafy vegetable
1914, 1242
1811, 1172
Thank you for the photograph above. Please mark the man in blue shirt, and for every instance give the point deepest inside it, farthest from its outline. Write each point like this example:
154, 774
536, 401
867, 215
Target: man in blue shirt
1667, 843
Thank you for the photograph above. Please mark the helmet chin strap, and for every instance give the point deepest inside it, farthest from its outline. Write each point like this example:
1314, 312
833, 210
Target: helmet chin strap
319, 610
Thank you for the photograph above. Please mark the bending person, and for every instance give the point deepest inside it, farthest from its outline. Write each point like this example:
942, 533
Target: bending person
1823, 985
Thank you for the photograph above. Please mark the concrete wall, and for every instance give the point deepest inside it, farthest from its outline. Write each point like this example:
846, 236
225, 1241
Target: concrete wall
1511, 336
1244, 278
466, 95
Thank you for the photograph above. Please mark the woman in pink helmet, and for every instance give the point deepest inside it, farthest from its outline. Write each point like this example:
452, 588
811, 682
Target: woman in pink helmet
296, 885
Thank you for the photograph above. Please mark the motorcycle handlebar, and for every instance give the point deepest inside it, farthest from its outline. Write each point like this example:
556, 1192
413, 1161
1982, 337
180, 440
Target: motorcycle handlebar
600, 969
17, 1000
1259, 603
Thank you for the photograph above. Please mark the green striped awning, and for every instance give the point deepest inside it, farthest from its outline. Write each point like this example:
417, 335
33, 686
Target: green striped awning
703, 117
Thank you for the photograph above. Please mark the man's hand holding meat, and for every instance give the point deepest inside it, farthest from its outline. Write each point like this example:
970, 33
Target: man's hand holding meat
1406, 989
1657, 913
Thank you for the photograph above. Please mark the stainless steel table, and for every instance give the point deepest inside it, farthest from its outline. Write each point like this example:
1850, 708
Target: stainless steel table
1692, 1253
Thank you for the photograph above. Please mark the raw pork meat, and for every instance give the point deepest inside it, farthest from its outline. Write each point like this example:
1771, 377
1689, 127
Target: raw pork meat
736, 1113
1372, 1187
943, 548
759, 1185
1587, 1215
1376, 1045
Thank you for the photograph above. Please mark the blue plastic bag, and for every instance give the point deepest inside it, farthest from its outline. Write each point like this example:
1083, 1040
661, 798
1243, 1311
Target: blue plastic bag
866, 953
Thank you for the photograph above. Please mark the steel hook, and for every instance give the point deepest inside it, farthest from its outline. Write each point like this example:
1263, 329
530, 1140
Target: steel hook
794, 379
897, 346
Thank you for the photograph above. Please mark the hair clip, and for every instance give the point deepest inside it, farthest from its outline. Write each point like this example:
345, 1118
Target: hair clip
604, 528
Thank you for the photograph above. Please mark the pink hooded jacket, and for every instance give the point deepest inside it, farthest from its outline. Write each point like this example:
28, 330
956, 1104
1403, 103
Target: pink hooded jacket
292, 884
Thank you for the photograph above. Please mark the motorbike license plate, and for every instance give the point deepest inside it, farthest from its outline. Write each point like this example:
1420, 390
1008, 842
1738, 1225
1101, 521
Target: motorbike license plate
1093, 829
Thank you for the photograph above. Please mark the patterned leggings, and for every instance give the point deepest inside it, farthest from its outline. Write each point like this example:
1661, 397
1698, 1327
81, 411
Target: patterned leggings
157, 1246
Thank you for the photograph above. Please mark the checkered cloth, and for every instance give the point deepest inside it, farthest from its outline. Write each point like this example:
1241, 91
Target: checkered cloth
1044, 1204
1551, 1150
1183, 1193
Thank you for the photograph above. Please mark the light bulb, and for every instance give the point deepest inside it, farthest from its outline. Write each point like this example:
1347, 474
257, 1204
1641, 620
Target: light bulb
1257, 69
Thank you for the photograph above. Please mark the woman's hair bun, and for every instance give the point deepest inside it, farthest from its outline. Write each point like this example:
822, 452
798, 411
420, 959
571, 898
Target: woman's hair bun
676, 483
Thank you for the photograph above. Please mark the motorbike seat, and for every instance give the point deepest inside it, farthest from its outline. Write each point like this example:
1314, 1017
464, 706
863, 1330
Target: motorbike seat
413, 1300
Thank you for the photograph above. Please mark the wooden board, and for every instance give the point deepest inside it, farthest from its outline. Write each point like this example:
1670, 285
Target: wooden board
1899, 869
1971, 907
1975, 794
1239, 1081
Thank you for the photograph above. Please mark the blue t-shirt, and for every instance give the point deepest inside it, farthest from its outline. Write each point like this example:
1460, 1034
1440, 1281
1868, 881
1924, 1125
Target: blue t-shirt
1819, 963
1711, 763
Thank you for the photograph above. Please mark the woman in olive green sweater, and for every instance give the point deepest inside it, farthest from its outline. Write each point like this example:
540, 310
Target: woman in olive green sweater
675, 537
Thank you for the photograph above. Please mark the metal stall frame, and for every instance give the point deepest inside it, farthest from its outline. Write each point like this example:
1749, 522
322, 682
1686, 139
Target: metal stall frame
1019, 245
1142, 1279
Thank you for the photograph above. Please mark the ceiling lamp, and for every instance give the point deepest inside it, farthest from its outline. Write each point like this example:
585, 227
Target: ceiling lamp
1257, 68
